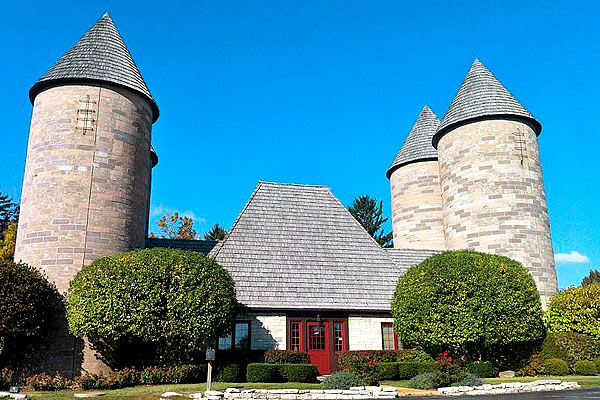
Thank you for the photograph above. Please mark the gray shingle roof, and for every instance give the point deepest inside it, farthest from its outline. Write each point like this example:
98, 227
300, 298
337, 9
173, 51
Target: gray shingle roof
417, 146
99, 56
482, 96
202, 246
406, 258
297, 247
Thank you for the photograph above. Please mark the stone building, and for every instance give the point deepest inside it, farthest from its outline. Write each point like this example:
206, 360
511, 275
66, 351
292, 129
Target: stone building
474, 180
308, 276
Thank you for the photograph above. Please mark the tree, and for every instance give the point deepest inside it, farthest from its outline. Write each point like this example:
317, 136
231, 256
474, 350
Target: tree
593, 277
575, 310
9, 211
151, 307
8, 242
175, 227
480, 306
215, 233
370, 216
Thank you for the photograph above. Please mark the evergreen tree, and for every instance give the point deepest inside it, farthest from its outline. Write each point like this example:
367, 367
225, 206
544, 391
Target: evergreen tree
215, 233
593, 277
370, 216
9, 212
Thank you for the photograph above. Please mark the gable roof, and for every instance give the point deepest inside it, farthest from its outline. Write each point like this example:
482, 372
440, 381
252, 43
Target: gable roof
406, 258
482, 96
297, 247
99, 56
417, 146
201, 246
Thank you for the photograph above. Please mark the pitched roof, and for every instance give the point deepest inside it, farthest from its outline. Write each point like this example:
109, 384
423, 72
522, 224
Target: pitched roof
482, 96
297, 247
99, 56
201, 246
406, 258
417, 146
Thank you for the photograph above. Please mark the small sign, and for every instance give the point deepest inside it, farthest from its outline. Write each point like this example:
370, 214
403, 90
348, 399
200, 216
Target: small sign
210, 354
14, 389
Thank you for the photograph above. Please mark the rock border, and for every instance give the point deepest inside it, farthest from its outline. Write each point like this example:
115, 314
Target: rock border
541, 385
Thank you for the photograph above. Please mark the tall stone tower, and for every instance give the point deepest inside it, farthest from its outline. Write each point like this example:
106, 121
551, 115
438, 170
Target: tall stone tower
87, 177
491, 177
415, 185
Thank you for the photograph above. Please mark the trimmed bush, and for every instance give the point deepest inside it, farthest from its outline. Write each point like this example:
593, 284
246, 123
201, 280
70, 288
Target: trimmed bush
597, 362
229, 373
261, 372
413, 355
475, 304
585, 368
570, 346
555, 366
389, 371
347, 358
150, 307
299, 372
150, 376
482, 369
575, 310
286, 357
342, 380
408, 370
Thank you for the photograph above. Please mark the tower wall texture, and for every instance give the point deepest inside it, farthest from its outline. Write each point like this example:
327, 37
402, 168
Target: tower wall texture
493, 196
417, 206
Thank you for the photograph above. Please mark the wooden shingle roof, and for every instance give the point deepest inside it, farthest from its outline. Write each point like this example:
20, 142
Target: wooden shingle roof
297, 247
99, 56
482, 96
417, 146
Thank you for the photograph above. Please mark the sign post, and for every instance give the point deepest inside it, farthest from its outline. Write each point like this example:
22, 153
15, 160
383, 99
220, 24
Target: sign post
210, 357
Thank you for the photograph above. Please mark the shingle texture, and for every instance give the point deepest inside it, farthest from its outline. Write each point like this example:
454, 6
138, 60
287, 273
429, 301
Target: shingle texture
99, 56
297, 247
202, 246
482, 95
418, 143
406, 258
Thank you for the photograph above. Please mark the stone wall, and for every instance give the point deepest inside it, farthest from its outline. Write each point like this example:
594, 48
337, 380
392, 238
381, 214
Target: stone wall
364, 332
417, 207
493, 196
267, 330
86, 186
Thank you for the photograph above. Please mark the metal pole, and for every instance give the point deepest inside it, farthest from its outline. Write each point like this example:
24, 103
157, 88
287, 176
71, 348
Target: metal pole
209, 376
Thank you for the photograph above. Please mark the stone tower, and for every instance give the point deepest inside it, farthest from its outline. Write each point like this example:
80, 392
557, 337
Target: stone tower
86, 189
491, 178
415, 186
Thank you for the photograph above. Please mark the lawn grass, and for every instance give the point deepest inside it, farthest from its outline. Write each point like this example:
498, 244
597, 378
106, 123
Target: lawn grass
154, 392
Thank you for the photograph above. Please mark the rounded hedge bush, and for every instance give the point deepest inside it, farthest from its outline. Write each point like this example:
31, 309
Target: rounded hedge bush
306, 373
597, 362
575, 310
570, 346
342, 380
483, 369
262, 372
584, 367
229, 373
151, 304
468, 302
555, 366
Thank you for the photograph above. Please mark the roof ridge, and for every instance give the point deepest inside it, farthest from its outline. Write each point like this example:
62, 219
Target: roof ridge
291, 184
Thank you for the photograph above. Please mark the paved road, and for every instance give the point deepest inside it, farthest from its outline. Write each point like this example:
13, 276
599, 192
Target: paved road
561, 394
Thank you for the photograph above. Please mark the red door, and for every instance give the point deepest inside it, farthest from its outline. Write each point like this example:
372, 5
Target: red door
318, 346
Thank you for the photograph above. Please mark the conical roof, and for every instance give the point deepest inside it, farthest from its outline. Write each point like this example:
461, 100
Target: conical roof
482, 96
417, 146
99, 56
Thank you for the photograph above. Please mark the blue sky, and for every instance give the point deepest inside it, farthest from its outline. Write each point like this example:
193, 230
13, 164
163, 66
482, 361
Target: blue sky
325, 92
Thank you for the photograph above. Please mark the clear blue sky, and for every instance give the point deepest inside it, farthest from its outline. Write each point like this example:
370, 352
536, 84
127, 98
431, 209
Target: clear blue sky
325, 92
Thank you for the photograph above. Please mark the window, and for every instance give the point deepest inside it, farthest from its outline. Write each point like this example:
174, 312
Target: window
338, 336
316, 337
295, 344
388, 336
239, 339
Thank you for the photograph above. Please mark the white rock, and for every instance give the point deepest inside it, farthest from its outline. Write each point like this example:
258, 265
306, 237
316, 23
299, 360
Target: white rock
232, 390
388, 388
357, 388
18, 396
448, 390
196, 396
89, 395
373, 388
213, 393
166, 395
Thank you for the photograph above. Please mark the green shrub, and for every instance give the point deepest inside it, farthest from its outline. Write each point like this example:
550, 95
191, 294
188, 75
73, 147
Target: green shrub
286, 357
427, 366
261, 372
470, 380
150, 376
555, 366
482, 369
424, 381
347, 358
413, 355
6, 378
570, 346
575, 310
342, 380
531, 367
408, 370
597, 362
585, 368
389, 371
299, 372
229, 373
48, 383
143, 307
473, 303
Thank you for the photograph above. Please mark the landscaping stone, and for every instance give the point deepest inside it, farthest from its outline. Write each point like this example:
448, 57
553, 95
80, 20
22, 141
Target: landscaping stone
88, 395
509, 387
4, 395
168, 395
506, 374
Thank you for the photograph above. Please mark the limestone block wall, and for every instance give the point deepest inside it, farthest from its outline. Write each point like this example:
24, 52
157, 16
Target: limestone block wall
364, 332
86, 187
417, 207
493, 196
267, 330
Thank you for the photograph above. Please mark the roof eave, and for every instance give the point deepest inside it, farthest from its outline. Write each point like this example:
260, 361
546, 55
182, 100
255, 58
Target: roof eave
394, 167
